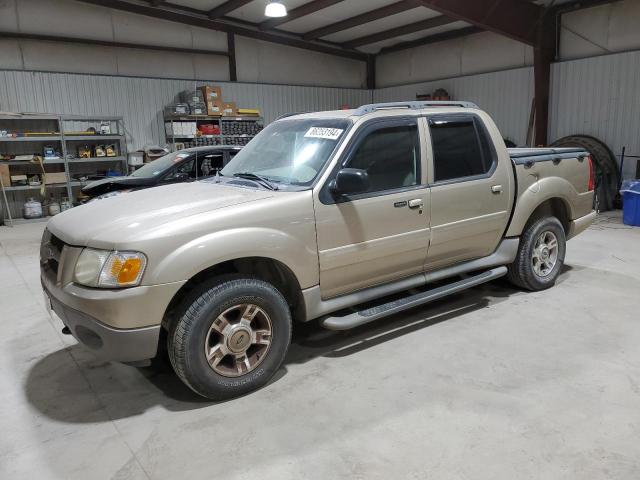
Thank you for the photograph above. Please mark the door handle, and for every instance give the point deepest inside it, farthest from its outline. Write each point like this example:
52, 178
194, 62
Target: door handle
416, 203
496, 189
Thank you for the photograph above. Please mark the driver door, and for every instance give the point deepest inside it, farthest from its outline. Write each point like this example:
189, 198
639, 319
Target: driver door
383, 234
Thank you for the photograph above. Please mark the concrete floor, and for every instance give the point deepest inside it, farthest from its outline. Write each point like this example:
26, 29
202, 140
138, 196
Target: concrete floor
493, 383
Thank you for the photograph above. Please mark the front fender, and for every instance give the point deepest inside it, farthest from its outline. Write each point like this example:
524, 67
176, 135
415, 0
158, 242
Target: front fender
230, 244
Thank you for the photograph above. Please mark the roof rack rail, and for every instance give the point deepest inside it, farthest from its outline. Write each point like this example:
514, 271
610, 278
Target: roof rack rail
364, 109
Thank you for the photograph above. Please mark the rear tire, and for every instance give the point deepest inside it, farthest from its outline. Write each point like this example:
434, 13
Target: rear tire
540, 255
231, 339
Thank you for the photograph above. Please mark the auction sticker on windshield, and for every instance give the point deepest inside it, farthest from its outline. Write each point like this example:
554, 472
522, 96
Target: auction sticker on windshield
324, 132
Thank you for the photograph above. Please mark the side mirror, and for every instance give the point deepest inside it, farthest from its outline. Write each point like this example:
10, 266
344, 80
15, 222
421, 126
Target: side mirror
350, 181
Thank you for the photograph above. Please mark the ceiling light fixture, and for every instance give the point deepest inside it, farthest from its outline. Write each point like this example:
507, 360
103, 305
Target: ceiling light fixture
275, 9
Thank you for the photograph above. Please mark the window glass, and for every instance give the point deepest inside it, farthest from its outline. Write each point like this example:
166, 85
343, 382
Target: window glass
210, 164
185, 169
290, 151
457, 151
390, 156
160, 165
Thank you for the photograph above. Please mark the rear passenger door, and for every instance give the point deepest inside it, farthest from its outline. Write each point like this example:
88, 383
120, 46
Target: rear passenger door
471, 189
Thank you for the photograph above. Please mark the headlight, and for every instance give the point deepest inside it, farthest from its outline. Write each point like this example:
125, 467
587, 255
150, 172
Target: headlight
101, 268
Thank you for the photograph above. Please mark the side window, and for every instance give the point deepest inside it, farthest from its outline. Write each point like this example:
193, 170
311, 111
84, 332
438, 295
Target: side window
210, 164
183, 171
391, 157
460, 148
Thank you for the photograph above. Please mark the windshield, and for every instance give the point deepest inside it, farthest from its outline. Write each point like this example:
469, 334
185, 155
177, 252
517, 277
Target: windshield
289, 151
160, 165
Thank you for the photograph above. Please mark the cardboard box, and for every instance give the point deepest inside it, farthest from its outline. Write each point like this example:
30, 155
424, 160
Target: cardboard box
6, 176
211, 93
212, 98
52, 178
229, 109
215, 107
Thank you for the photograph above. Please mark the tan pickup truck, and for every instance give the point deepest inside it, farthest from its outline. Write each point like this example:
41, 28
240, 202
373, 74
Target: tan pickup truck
345, 217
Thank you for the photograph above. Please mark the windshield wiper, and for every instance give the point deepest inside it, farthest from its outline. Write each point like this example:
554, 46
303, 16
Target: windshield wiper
259, 179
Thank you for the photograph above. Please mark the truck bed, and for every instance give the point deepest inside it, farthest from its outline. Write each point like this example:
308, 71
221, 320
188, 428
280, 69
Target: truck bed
522, 156
538, 171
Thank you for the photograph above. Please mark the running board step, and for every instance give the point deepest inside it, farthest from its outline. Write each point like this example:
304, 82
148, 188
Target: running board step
374, 313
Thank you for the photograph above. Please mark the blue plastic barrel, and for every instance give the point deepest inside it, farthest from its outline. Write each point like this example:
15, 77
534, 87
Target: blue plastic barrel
631, 203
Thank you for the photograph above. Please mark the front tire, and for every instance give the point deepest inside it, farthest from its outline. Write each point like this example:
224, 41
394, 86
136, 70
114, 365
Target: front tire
231, 339
540, 255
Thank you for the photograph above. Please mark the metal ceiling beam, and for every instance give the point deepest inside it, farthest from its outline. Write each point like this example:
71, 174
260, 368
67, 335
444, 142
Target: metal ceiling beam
361, 19
515, 19
226, 7
580, 5
301, 11
399, 31
106, 43
189, 17
438, 37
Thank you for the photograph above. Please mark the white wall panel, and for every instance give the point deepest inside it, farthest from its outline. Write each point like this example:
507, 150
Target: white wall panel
600, 30
63, 18
49, 56
141, 100
505, 95
265, 62
130, 28
482, 52
599, 96
10, 54
257, 61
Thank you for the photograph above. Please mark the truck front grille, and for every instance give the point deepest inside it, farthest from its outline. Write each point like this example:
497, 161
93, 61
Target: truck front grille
50, 251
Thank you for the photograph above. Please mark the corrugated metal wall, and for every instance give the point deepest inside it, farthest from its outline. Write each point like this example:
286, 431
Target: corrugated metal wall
599, 96
140, 101
505, 95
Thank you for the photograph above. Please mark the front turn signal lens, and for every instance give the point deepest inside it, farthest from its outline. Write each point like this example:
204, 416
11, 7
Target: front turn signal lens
123, 269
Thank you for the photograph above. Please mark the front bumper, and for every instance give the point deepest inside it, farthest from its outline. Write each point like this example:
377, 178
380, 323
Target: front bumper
116, 324
130, 345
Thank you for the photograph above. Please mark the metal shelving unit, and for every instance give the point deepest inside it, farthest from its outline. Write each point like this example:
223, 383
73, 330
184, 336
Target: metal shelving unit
61, 130
173, 139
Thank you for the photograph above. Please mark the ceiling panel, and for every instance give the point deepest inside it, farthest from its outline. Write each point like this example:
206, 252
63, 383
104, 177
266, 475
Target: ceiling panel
375, 47
335, 13
393, 21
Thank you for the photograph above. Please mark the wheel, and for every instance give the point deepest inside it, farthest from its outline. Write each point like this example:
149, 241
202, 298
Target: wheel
605, 164
540, 255
231, 339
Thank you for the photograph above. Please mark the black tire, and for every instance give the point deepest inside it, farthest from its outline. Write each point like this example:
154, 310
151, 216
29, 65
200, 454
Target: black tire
188, 334
605, 164
521, 272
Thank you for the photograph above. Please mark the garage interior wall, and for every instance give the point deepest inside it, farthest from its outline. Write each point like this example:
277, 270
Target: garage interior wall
594, 85
141, 100
590, 94
256, 61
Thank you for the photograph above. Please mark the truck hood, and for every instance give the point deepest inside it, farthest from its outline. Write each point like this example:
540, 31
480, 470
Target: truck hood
111, 184
108, 221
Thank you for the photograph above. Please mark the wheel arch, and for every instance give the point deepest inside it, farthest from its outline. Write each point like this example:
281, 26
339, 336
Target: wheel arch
556, 206
267, 269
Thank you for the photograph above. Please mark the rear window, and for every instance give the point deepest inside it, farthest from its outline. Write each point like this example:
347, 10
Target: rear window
460, 148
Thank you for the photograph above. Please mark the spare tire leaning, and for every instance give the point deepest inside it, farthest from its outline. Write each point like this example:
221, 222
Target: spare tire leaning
605, 164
